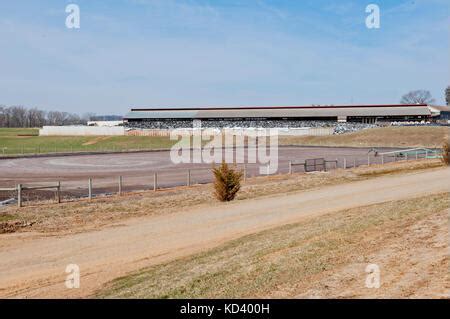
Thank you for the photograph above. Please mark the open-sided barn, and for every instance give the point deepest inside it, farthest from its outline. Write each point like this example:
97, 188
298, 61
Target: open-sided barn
273, 116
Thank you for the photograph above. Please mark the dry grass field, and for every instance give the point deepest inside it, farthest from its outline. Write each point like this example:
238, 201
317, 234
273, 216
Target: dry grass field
379, 137
320, 257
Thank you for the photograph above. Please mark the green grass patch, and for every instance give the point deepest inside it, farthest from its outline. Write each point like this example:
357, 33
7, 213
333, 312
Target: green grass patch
6, 217
16, 142
13, 132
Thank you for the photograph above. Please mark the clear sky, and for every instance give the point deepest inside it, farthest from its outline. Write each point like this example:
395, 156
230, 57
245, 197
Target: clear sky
183, 53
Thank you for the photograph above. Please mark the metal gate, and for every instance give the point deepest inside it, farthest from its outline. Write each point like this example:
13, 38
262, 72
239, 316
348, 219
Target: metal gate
315, 164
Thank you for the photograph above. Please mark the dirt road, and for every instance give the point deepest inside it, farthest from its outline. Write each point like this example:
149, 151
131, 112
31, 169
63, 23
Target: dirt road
34, 266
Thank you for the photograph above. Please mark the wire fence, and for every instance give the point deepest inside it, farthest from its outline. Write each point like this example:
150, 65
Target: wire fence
68, 189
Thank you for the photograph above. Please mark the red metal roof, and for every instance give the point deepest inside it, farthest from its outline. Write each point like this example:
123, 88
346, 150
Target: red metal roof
276, 107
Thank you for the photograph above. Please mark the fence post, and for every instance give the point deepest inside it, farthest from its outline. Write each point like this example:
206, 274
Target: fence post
188, 177
120, 185
290, 167
19, 195
155, 181
354, 162
345, 163
368, 160
90, 188
382, 159
245, 172
58, 192
417, 155
406, 157
426, 154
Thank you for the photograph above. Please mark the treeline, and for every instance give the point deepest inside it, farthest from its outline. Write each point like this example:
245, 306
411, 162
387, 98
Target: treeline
19, 116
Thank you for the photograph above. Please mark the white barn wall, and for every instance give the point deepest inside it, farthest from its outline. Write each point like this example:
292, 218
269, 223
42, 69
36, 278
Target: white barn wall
81, 131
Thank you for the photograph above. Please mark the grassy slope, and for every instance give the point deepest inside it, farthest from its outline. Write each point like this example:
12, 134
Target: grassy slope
378, 137
282, 261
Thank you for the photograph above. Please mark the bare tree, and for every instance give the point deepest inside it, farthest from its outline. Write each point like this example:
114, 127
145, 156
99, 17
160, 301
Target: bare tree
54, 118
86, 117
71, 119
3, 116
35, 118
447, 95
19, 116
418, 97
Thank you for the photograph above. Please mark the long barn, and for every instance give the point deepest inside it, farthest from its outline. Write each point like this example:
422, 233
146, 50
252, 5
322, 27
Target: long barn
274, 116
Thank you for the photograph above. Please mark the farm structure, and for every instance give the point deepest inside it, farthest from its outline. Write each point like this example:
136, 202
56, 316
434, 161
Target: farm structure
273, 116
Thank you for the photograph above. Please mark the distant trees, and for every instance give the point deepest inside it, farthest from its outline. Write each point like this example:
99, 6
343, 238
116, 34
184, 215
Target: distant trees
418, 97
447, 95
19, 116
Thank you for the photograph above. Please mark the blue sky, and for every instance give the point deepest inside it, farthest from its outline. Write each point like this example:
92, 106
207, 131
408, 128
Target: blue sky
168, 53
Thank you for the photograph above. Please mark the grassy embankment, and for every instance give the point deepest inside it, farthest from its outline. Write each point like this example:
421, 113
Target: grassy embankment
404, 136
319, 257
16, 141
